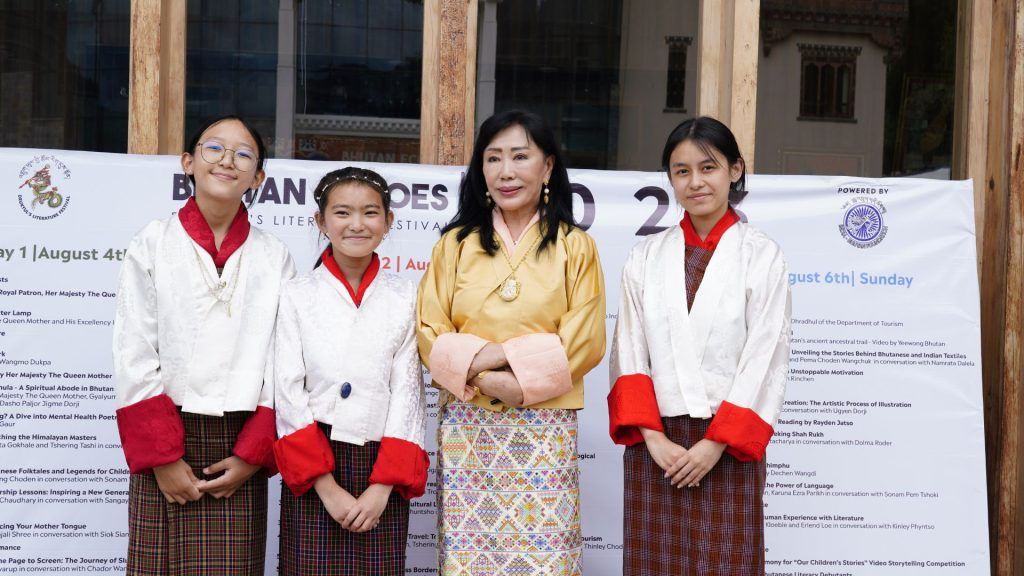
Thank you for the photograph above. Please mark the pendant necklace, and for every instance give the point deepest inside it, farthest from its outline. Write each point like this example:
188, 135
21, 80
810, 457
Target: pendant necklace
509, 289
216, 286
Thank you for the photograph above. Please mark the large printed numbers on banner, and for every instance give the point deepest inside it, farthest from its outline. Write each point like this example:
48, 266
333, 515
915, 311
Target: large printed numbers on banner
588, 205
651, 225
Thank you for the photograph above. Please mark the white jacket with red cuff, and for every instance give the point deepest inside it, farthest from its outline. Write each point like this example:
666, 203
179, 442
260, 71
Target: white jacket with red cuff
727, 358
354, 367
178, 346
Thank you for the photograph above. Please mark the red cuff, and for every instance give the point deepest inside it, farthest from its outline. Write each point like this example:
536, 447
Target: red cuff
152, 433
401, 464
743, 432
632, 404
303, 456
255, 443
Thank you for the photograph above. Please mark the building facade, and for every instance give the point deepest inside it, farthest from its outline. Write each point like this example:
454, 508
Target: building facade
860, 87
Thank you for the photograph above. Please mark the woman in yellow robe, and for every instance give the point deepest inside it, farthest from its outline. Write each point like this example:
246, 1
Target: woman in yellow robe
511, 316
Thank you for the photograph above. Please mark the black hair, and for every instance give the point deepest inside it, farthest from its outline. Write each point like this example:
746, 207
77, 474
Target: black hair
261, 148
474, 213
709, 135
345, 175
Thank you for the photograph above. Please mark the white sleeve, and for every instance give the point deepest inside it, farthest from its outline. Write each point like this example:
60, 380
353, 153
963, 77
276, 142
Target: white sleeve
267, 392
630, 354
136, 328
289, 381
760, 381
406, 418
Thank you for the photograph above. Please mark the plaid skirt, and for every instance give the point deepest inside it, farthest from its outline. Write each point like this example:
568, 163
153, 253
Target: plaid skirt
509, 492
209, 536
313, 544
715, 529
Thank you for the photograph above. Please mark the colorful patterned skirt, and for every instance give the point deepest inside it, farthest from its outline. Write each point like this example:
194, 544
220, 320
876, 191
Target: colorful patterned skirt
209, 536
509, 492
313, 544
715, 529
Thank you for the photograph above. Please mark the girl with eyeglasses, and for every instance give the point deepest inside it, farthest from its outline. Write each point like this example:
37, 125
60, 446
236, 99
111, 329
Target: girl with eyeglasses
196, 307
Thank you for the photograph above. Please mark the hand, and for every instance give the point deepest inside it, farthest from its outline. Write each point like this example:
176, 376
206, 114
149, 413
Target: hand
664, 451
502, 384
336, 499
177, 482
236, 472
490, 357
695, 464
365, 514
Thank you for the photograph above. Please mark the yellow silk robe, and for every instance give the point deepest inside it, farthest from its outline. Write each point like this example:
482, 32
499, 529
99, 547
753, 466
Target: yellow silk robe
562, 293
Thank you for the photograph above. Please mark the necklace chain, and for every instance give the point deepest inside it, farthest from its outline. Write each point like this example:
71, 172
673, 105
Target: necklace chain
216, 287
525, 254
508, 290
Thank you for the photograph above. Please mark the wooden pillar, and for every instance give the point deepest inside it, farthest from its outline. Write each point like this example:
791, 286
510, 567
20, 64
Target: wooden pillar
970, 122
156, 97
1002, 287
284, 121
449, 81
711, 48
1011, 479
727, 40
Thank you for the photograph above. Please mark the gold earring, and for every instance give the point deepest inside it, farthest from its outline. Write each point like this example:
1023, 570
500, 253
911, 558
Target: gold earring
546, 192
488, 200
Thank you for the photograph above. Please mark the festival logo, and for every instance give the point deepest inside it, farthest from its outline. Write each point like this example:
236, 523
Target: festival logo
863, 225
42, 193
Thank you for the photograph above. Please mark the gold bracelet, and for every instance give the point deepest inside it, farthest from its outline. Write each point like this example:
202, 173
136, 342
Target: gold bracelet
483, 374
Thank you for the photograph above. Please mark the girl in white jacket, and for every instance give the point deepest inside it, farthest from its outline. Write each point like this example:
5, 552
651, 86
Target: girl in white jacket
699, 364
196, 306
349, 394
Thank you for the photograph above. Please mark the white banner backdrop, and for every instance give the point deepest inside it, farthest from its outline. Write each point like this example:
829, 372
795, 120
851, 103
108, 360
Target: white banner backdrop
877, 466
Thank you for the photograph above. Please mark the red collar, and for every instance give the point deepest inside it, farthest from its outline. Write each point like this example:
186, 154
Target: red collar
371, 272
714, 237
199, 230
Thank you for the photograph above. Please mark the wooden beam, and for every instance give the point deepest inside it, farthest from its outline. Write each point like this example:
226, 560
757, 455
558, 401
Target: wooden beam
469, 113
156, 98
743, 91
993, 280
971, 101
284, 120
711, 37
728, 44
1002, 288
144, 78
431, 74
174, 21
1011, 535
448, 97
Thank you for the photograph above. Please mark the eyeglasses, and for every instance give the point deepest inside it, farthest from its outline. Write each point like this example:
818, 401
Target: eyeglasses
213, 152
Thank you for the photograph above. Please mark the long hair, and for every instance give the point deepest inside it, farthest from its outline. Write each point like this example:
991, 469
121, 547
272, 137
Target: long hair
709, 135
474, 215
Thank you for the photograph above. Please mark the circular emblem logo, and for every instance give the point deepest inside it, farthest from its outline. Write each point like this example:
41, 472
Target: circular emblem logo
42, 190
863, 223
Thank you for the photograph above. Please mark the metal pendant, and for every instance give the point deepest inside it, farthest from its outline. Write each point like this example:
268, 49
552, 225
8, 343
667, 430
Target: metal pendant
509, 290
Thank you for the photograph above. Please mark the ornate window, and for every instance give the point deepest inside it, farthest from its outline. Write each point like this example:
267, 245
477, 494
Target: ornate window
827, 81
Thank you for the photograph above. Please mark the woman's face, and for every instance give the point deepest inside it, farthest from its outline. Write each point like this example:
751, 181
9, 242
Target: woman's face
515, 170
228, 178
701, 182
354, 219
